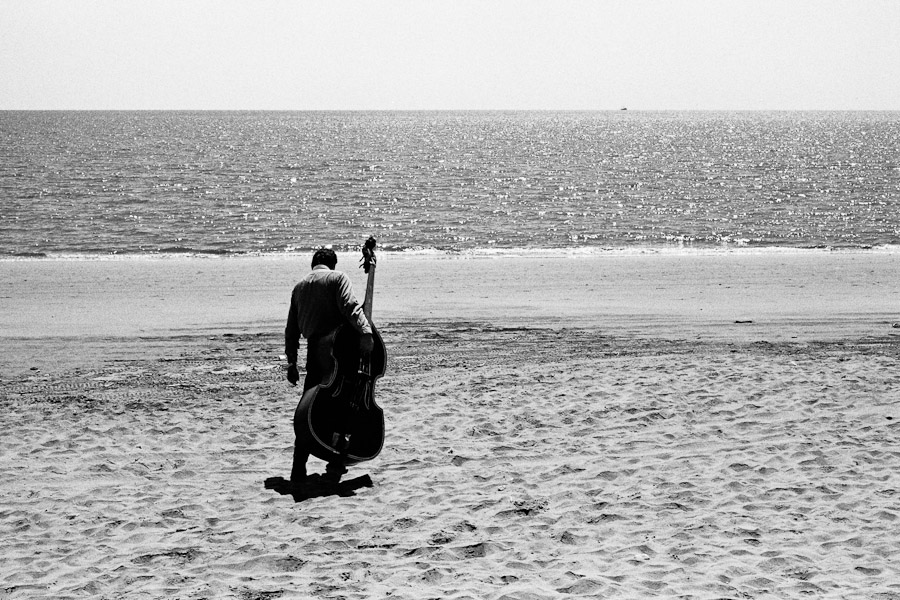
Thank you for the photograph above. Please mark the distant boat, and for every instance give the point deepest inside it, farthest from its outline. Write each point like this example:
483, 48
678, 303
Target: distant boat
623, 108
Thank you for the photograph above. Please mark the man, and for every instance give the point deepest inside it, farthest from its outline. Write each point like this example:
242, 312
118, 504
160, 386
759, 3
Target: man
322, 301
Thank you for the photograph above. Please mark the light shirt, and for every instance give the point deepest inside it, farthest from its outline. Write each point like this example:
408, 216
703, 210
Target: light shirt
319, 303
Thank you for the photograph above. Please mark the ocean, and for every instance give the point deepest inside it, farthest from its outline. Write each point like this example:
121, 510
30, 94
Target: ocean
233, 183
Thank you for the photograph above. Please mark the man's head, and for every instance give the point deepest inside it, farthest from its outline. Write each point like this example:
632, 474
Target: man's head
325, 256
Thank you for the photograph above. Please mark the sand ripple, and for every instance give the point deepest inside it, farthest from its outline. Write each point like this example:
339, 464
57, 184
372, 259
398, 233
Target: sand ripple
519, 465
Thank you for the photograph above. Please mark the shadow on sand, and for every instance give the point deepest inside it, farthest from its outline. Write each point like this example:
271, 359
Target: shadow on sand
316, 486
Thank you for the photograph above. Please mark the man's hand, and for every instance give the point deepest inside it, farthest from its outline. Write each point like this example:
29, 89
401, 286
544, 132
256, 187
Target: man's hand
366, 343
292, 374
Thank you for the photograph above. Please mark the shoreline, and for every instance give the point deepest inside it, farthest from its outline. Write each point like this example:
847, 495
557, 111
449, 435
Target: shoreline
51, 310
675, 248
135, 297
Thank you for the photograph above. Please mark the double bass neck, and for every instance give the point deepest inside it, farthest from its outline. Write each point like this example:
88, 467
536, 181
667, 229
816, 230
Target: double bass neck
369, 268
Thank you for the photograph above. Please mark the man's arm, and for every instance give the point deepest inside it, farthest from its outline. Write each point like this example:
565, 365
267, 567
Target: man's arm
292, 333
353, 312
350, 308
292, 340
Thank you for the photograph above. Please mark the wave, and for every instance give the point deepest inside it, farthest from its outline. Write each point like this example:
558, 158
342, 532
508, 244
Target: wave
188, 250
474, 253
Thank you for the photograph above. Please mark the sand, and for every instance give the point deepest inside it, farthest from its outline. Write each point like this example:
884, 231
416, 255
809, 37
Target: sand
625, 426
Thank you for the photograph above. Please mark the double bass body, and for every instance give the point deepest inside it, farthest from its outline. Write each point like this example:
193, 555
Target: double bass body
339, 417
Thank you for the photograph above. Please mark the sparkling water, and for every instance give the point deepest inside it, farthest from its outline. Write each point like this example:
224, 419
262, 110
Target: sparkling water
89, 183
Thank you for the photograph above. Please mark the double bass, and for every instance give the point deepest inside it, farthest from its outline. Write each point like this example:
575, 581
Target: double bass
339, 417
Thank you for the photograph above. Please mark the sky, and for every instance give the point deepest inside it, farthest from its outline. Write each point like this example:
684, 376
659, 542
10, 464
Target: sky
450, 55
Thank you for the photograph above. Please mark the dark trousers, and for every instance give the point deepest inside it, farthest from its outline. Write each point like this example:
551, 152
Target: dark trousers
317, 366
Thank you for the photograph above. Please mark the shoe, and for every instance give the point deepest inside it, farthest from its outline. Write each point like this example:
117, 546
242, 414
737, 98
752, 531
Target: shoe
333, 472
332, 477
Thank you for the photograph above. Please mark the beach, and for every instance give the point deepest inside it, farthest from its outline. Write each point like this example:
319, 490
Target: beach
694, 425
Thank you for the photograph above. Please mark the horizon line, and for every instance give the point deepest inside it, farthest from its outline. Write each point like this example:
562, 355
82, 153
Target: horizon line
447, 110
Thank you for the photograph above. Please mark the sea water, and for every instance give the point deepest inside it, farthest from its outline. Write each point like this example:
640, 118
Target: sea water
105, 183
